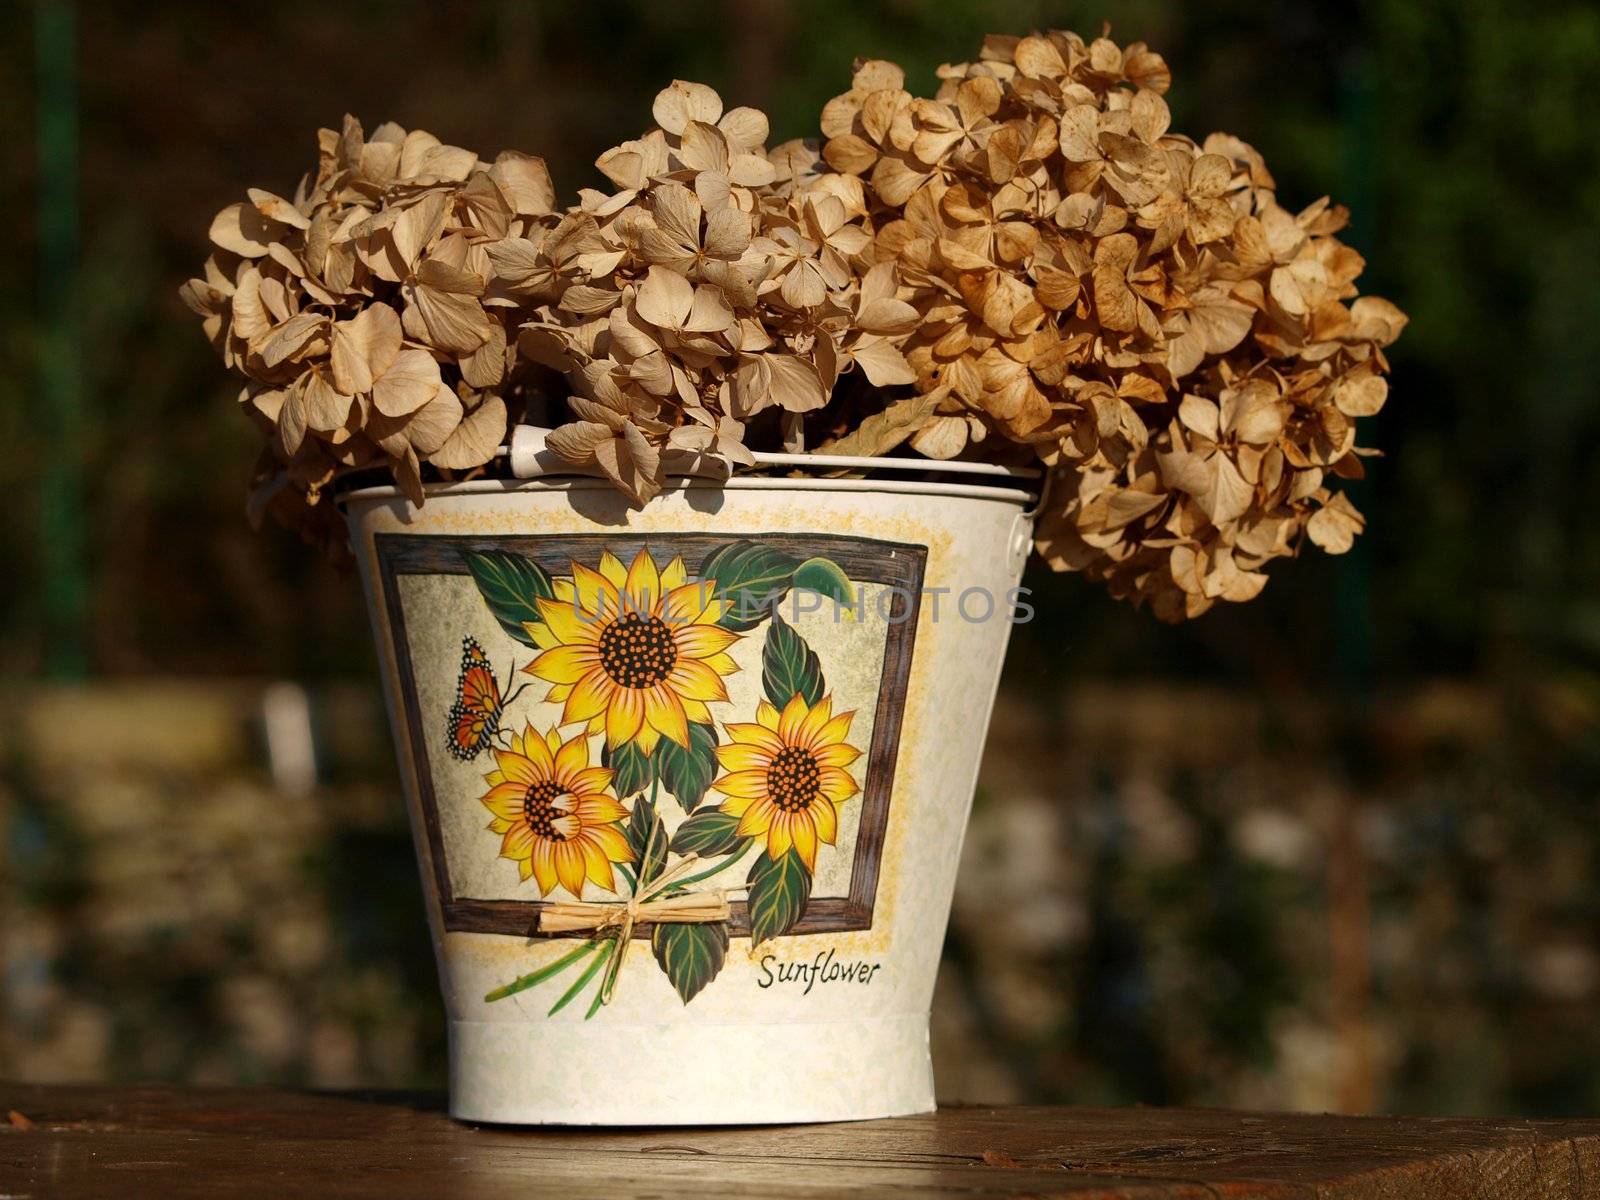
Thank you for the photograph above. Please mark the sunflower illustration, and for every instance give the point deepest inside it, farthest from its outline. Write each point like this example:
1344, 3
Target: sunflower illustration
785, 775
635, 652
551, 805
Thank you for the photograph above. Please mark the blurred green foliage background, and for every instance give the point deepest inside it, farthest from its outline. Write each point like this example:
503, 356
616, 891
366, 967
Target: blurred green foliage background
1336, 848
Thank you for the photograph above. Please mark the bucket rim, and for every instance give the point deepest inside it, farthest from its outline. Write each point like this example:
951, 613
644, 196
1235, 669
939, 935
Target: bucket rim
1020, 497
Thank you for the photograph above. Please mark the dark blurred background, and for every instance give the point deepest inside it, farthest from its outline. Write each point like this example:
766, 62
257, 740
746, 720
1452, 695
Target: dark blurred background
1336, 849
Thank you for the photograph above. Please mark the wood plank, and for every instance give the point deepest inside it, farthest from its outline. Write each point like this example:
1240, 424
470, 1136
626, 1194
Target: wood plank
72, 1142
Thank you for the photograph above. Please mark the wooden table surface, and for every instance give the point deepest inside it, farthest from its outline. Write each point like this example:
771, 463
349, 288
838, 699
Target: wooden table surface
106, 1143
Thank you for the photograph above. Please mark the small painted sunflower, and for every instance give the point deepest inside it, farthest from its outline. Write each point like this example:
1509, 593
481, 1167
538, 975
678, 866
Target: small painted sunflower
552, 806
635, 651
786, 775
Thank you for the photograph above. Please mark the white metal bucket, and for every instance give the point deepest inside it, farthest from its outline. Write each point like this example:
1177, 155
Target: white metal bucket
825, 1017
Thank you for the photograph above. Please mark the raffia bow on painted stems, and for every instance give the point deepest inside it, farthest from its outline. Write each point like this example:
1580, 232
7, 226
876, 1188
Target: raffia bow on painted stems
649, 905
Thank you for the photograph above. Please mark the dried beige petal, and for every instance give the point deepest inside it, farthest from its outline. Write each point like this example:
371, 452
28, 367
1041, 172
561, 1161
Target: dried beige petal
727, 234
631, 463
525, 180
796, 386
425, 157
882, 363
415, 228
1375, 318
1080, 134
665, 298
1361, 393
364, 347
1253, 413
293, 340
887, 316
803, 286
326, 408
475, 439
745, 128
520, 263
292, 424
851, 154
681, 103
704, 149
1334, 526
486, 367
1215, 324
943, 437
425, 429
709, 312
587, 301
410, 382
883, 431
408, 474
1039, 57
677, 213
577, 441
448, 320
242, 229
276, 208
1202, 416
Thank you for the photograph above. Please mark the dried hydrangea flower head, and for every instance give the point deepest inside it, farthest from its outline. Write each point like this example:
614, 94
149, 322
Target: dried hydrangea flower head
361, 314
715, 285
1028, 266
1187, 356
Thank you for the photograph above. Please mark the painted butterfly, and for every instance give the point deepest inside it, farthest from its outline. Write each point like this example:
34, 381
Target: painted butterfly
474, 718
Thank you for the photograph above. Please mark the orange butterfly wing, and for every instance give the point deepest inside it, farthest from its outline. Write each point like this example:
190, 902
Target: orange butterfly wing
475, 716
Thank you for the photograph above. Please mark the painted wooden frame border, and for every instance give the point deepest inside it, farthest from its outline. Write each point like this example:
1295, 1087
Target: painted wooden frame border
899, 565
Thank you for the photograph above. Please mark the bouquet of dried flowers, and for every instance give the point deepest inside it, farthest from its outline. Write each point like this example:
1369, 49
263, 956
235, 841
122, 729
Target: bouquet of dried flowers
362, 313
1027, 267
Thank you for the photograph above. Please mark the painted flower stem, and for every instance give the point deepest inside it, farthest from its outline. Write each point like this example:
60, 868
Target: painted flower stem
609, 953
655, 824
543, 973
721, 866
625, 934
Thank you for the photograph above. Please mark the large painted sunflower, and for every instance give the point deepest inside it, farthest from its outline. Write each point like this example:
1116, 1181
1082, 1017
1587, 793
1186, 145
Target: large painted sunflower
634, 651
553, 808
786, 775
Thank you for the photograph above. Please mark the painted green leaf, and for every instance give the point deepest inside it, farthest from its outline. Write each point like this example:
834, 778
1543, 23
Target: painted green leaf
509, 585
710, 833
826, 578
634, 770
647, 838
687, 773
752, 576
691, 954
779, 890
789, 666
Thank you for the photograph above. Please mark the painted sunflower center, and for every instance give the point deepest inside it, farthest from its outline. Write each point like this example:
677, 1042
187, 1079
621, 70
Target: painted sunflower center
637, 652
540, 812
792, 779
